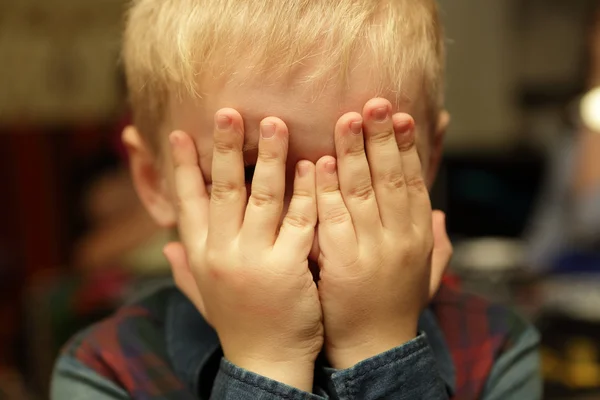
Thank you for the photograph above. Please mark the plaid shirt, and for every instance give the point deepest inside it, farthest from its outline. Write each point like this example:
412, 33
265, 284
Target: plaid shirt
161, 348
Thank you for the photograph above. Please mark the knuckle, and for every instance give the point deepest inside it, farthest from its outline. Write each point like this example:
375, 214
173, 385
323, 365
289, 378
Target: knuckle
298, 220
181, 207
362, 191
183, 197
407, 146
337, 216
268, 156
394, 180
303, 194
262, 197
224, 190
355, 151
417, 184
381, 137
225, 146
329, 190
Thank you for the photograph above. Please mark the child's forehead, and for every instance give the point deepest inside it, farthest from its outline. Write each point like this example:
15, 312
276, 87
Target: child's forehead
309, 113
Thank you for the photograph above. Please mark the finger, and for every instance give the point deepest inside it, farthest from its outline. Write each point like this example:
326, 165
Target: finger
184, 279
228, 194
298, 228
355, 176
418, 195
442, 251
386, 165
192, 198
335, 223
265, 204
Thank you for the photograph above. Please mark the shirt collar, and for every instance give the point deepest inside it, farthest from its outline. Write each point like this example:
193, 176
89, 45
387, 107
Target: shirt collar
192, 345
441, 352
194, 349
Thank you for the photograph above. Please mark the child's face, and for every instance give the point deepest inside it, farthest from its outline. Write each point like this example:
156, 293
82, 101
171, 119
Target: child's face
310, 117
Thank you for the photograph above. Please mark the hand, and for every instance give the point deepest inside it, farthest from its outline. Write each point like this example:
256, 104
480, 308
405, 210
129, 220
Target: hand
253, 283
375, 236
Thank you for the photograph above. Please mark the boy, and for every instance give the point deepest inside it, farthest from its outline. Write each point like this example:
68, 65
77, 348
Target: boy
308, 273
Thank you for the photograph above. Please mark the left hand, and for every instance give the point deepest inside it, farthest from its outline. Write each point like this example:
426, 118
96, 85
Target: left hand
378, 265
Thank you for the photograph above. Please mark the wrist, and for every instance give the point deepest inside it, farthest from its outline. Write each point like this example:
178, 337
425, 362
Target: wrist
298, 374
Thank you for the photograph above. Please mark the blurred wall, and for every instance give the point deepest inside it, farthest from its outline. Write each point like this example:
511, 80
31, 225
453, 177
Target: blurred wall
502, 53
481, 77
58, 60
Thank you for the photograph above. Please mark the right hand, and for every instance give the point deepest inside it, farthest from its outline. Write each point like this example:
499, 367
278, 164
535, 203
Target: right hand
253, 282
377, 260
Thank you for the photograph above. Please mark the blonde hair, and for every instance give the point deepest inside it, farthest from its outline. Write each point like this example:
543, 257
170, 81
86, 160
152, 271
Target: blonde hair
170, 45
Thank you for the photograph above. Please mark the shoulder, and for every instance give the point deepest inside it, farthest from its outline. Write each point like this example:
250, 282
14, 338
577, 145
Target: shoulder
479, 334
463, 314
125, 346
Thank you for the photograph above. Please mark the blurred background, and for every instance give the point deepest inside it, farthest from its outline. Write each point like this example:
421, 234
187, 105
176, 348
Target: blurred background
520, 180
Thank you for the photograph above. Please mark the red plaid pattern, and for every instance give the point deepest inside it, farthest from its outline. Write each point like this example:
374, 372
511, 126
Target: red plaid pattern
129, 348
477, 333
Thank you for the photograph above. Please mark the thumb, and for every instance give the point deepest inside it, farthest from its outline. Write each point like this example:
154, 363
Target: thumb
442, 251
184, 279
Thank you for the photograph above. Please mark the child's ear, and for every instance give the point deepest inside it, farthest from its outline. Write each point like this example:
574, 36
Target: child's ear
150, 182
437, 146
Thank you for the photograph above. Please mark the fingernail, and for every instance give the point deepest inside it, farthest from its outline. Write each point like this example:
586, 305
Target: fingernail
356, 127
380, 114
303, 169
223, 122
404, 130
330, 167
267, 131
403, 125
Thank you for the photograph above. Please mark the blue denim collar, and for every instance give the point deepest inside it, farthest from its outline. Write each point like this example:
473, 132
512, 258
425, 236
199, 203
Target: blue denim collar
192, 344
441, 352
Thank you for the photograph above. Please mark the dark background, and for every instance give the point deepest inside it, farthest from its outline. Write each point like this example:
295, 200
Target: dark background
514, 67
